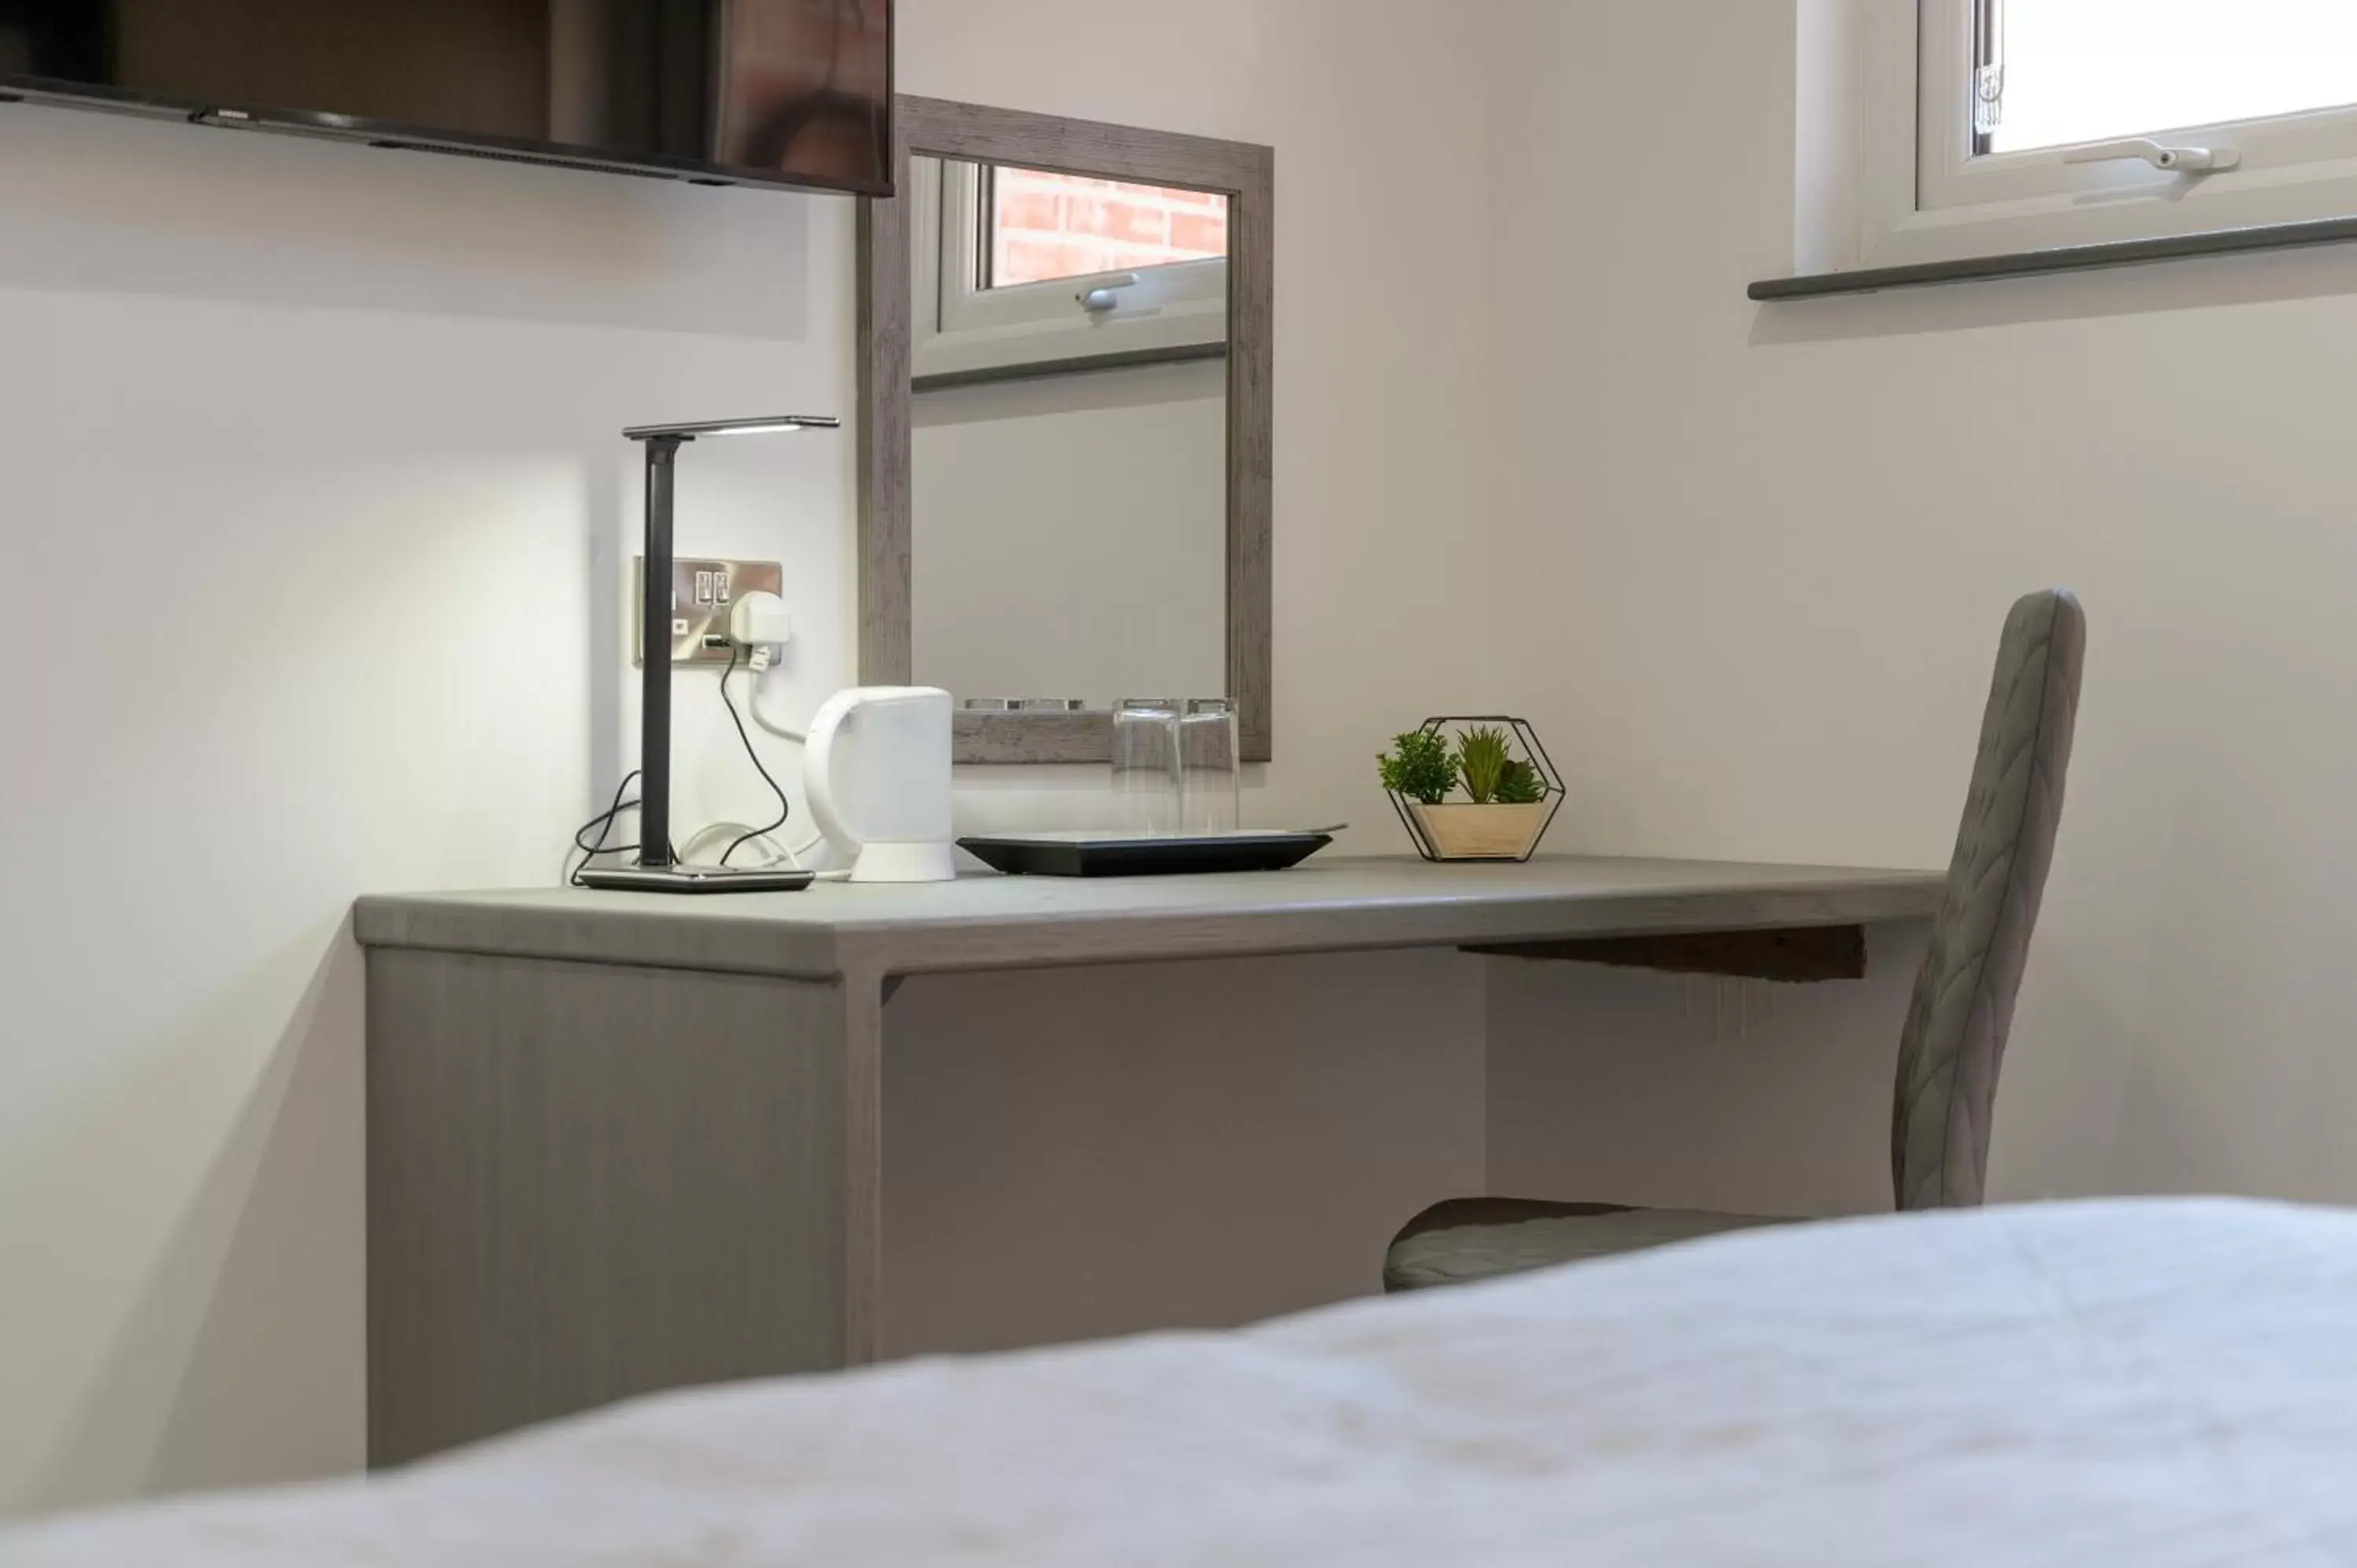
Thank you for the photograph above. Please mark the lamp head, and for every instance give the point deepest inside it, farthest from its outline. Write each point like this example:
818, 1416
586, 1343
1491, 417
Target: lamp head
771, 425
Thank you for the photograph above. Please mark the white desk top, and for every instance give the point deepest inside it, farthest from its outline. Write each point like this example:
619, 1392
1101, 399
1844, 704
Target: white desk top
1017, 922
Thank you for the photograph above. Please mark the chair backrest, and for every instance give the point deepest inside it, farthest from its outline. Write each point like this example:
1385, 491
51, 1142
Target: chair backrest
1955, 1037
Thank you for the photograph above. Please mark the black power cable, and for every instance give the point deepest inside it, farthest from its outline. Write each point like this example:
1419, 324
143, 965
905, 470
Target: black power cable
603, 823
784, 809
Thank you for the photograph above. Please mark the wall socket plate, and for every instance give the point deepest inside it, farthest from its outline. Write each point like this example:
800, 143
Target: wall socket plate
702, 589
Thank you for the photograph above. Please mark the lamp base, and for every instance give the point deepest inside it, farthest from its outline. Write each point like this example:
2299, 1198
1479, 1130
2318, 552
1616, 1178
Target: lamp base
695, 879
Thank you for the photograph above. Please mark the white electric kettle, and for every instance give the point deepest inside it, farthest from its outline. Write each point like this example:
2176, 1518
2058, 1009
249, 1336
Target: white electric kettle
876, 771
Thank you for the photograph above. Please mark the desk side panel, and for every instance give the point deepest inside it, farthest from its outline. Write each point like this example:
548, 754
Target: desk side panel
587, 1183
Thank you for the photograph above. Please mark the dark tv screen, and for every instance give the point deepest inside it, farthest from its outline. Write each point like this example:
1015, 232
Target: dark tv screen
785, 92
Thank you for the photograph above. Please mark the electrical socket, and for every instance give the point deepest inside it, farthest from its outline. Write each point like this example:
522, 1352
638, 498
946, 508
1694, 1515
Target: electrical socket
702, 589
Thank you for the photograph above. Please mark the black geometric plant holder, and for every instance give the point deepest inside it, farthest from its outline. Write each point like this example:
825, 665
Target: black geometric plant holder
1458, 829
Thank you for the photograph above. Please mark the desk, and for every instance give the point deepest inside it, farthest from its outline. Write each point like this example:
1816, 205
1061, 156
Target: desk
619, 1143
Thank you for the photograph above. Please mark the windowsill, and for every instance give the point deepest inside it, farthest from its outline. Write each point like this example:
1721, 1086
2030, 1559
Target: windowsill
1031, 370
2063, 259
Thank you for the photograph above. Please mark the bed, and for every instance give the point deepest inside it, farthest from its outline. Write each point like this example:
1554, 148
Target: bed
2156, 1382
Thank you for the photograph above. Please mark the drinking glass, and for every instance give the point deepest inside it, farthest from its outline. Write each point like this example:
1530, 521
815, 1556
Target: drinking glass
1209, 792
1146, 764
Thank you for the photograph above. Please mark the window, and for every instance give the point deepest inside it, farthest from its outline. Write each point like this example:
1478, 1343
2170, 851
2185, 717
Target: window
2064, 72
2045, 122
1019, 269
1048, 227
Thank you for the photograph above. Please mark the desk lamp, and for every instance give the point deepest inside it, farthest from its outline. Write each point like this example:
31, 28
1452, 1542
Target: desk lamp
656, 871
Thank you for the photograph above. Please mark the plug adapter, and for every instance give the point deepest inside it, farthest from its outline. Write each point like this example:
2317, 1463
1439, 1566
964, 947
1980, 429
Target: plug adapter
759, 619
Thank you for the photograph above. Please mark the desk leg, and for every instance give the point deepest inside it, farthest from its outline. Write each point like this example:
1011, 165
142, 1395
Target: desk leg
587, 1182
864, 999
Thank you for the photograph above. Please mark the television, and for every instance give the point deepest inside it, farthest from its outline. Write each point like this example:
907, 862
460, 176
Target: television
790, 92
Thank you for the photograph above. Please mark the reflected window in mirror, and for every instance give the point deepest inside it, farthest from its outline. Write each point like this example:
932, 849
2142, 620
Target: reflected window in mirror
1019, 269
1069, 465
1046, 226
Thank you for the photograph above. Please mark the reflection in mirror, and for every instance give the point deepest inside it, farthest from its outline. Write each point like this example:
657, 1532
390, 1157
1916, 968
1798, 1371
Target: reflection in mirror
1069, 430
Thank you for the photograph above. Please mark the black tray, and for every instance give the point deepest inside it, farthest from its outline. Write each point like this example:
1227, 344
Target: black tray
1108, 855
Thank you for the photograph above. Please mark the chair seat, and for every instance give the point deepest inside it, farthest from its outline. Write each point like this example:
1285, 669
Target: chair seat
1478, 1238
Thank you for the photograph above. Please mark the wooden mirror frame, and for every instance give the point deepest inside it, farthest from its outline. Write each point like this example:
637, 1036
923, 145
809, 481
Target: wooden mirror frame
1246, 175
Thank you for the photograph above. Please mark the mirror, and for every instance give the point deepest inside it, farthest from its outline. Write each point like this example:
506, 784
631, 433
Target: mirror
1064, 434
1068, 435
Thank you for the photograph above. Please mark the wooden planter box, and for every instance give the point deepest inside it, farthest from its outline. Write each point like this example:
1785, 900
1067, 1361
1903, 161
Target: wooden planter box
1467, 831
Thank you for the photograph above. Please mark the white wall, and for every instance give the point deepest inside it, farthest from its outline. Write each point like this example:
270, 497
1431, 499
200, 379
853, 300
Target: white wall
240, 371
1068, 535
1685, 1091
1751, 562
312, 497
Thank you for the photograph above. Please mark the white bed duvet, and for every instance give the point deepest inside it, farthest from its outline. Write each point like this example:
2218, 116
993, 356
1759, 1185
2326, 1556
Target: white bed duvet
2150, 1383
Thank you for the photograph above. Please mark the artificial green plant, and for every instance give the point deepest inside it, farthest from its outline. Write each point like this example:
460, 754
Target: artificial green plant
1420, 765
1481, 759
1519, 784
1423, 765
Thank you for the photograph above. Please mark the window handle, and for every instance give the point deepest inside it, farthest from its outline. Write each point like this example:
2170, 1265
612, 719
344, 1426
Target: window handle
2176, 160
1101, 296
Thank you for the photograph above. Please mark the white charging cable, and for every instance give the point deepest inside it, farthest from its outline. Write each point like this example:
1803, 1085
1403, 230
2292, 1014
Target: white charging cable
758, 621
779, 853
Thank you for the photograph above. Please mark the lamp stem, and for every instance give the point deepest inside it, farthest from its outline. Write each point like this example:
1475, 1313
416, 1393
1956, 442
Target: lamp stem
654, 699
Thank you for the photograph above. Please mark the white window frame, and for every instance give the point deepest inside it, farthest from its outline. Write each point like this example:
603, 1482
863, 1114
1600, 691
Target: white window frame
1923, 196
961, 330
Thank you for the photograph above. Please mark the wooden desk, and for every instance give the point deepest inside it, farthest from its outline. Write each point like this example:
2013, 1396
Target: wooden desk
626, 1142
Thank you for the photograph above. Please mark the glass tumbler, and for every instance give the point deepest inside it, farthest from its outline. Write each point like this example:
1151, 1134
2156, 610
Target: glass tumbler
1146, 764
1209, 792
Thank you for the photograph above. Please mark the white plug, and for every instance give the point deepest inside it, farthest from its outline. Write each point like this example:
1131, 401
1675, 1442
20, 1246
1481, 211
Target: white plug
759, 619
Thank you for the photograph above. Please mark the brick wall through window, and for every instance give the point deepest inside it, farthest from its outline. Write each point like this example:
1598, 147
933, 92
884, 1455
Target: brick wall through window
1048, 226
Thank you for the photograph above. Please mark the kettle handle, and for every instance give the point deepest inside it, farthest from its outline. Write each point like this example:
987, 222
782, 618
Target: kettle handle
818, 770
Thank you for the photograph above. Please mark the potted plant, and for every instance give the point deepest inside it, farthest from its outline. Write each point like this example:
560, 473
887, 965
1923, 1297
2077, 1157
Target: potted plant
1472, 788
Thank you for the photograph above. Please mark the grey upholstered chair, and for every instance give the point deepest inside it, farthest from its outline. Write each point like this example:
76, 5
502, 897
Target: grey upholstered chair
1953, 1039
